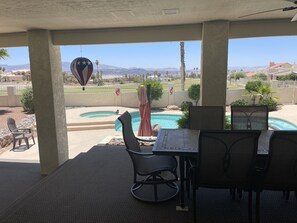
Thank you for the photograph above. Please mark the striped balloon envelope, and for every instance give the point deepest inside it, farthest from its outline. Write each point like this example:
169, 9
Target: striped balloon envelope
82, 69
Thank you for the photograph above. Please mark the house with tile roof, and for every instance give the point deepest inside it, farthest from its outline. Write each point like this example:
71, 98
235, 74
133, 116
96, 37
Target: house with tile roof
280, 69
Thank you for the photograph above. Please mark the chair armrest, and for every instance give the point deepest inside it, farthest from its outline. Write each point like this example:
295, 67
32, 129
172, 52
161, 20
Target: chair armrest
145, 140
18, 133
26, 130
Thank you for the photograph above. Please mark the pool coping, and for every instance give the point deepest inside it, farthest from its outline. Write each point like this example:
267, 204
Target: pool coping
75, 122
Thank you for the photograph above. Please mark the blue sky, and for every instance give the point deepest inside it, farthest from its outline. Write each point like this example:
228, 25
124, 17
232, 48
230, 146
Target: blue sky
242, 52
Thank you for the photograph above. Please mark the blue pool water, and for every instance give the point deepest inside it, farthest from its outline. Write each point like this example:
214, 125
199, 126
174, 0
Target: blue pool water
98, 114
169, 122
281, 124
165, 121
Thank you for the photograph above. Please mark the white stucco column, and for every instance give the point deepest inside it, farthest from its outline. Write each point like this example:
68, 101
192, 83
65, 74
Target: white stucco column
49, 102
214, 59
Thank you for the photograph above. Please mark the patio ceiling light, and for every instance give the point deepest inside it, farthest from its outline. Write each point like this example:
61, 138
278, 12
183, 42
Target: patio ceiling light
170, 11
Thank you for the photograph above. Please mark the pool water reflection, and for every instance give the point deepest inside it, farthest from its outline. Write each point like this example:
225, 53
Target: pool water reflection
98, 114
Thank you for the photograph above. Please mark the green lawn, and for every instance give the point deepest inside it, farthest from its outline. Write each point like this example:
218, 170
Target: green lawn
131, 87
127, 87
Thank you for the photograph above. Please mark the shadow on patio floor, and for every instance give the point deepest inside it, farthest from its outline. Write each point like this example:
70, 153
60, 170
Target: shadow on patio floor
95, 187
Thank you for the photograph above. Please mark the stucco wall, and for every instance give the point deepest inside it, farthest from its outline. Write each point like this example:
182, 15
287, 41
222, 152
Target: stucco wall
3, 101
233, 95
89, 99
285, 96
129, 99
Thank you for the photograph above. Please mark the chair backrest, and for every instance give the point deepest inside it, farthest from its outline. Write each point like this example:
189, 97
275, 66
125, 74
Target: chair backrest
128, 134
206, 117
226, 158
249, 117
11, 125
281, 172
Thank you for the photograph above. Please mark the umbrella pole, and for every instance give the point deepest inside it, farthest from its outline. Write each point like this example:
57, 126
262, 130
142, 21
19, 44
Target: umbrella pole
148, 92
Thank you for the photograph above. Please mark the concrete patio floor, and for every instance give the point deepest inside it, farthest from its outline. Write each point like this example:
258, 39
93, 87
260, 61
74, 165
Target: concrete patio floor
83, 141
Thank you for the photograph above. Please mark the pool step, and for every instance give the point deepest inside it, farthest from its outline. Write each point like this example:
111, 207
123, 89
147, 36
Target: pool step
83, 126
89, 127
91, 123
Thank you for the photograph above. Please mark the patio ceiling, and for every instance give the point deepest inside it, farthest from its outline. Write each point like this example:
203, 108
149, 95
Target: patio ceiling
20, 15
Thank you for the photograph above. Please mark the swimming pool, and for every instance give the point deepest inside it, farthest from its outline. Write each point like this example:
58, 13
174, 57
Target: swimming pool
169, 121
164, 120
281, 124
98, 114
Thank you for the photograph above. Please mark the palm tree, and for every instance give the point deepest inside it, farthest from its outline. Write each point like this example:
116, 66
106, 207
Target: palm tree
97, 64
3, 54
182, 65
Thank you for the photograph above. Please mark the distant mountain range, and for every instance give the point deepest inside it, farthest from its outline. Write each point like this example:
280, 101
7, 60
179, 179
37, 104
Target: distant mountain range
109, 69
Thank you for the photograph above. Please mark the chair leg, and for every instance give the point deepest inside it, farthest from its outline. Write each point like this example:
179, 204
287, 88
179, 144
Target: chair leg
194, 205
250, 200
14, 142
27, 142
287, 195
20, 142
188, 178
257, 206
33, 139
239, 193
232, 193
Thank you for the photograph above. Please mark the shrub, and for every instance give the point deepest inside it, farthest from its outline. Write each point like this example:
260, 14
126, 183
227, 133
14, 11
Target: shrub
253, 86
270, 102
27, 100
260, 76
100, 82
183, 122
227, 123
185, 105
156, 89
194, 92
240, 102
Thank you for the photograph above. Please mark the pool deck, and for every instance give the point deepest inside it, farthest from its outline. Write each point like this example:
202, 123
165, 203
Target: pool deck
82, 141
73, 114
287, 112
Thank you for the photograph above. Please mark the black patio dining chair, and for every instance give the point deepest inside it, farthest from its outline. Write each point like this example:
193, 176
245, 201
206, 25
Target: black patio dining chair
154, 176
280, 173
252, 117
19, 134
206, 117
226, 160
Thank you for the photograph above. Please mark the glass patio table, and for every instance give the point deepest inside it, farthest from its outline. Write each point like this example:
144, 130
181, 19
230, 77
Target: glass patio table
184, 143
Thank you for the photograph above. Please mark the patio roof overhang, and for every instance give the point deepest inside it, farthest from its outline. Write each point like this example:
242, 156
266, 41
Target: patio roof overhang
20, 16
44, 25
186, 32
97, 22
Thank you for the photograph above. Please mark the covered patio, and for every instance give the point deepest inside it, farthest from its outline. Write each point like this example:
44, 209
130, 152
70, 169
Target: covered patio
46, 25
94, 187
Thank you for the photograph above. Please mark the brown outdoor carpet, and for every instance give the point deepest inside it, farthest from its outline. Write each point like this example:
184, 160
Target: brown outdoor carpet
96, 188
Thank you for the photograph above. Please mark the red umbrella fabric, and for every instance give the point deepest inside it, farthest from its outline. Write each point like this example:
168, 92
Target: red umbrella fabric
145, 128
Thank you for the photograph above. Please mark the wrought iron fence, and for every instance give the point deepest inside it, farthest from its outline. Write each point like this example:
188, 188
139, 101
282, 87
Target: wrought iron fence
19, 88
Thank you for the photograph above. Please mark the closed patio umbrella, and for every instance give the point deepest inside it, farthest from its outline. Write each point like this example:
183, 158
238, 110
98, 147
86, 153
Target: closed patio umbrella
145, 128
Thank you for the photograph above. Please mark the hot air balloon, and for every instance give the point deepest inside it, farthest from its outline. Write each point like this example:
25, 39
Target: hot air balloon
82, 69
